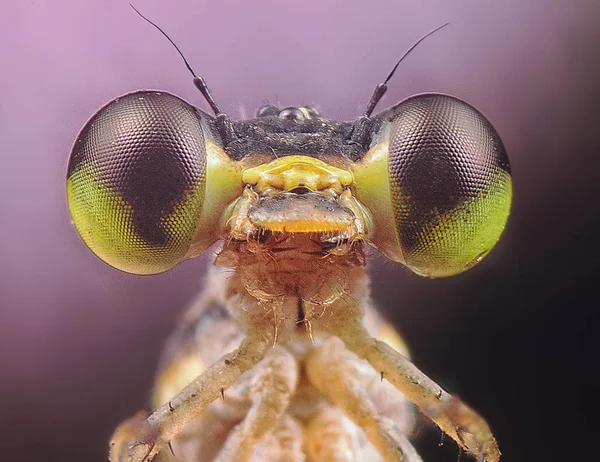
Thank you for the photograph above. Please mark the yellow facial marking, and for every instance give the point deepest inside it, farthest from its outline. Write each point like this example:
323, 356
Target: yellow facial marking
223, 185
372, 188
288, 173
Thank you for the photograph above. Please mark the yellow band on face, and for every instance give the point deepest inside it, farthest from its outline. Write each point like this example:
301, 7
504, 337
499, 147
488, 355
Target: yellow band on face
290, 172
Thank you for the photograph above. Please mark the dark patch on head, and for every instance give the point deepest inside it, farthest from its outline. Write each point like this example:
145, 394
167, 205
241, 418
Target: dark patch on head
157, 184
311, 137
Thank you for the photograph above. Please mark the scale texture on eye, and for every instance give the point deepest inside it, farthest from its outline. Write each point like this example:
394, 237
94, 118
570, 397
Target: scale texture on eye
450, 184
136, 179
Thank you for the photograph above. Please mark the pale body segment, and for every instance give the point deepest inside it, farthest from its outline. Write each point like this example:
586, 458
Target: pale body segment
299, 379
282, 330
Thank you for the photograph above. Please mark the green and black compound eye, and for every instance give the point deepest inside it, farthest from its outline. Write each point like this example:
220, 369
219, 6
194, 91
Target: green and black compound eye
137, 182
437, 180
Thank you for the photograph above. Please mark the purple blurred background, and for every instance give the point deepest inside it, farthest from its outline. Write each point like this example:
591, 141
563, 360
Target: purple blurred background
79, 341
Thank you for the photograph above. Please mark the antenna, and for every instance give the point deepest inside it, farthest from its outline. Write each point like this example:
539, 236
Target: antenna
198, 81
382, 87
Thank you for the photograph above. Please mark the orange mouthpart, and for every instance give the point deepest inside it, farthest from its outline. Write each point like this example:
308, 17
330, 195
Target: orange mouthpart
300, 213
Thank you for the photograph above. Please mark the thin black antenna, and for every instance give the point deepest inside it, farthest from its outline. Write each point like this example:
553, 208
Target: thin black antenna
382, 87
198, 81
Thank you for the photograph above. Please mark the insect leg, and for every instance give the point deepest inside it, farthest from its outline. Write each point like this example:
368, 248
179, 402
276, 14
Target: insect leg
330, 435
270, 391
139, 440
283, 444
456, 419
339, 375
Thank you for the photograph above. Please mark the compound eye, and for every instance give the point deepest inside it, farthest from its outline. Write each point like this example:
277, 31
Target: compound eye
136, 181
449, 185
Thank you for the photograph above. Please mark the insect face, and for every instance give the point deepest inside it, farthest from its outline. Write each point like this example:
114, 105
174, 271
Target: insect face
151, 181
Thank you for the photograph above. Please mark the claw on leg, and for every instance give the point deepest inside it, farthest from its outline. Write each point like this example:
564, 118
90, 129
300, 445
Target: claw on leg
133, 439
470, 431
336, 373
139, 439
